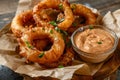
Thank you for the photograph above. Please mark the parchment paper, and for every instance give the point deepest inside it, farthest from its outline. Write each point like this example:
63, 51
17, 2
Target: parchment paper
10, 58
112, 20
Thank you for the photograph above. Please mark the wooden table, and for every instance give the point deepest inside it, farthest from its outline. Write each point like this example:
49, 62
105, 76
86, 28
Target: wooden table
8, 9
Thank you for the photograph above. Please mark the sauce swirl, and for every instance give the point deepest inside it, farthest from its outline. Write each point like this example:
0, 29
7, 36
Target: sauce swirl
94, 41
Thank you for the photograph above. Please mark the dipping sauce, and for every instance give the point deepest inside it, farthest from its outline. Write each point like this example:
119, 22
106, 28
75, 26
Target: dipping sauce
94, 41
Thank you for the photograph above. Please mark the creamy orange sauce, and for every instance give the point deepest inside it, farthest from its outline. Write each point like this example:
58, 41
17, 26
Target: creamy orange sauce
94, 41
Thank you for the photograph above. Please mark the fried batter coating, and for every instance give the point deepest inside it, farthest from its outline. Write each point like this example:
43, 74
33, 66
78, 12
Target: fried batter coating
58, 5
22, 23
42, 57
64, 60
83, 16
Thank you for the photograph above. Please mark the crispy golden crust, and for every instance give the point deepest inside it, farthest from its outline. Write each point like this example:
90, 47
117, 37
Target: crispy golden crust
64, 60
54, 4
86, 17
41, 6
89, 16
33, 54
22, 22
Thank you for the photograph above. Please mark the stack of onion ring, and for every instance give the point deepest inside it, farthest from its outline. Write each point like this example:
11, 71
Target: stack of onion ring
44, 43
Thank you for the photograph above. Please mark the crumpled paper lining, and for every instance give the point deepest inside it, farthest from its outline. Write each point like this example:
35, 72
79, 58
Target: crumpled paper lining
11, 59
112, 20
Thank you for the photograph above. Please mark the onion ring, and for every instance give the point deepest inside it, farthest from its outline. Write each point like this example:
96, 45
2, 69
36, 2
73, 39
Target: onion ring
84, 13
54, 4
22, 22
82, 10
42, 57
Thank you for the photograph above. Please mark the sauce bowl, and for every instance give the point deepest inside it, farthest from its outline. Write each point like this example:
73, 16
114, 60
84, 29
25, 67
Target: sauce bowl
91, 57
